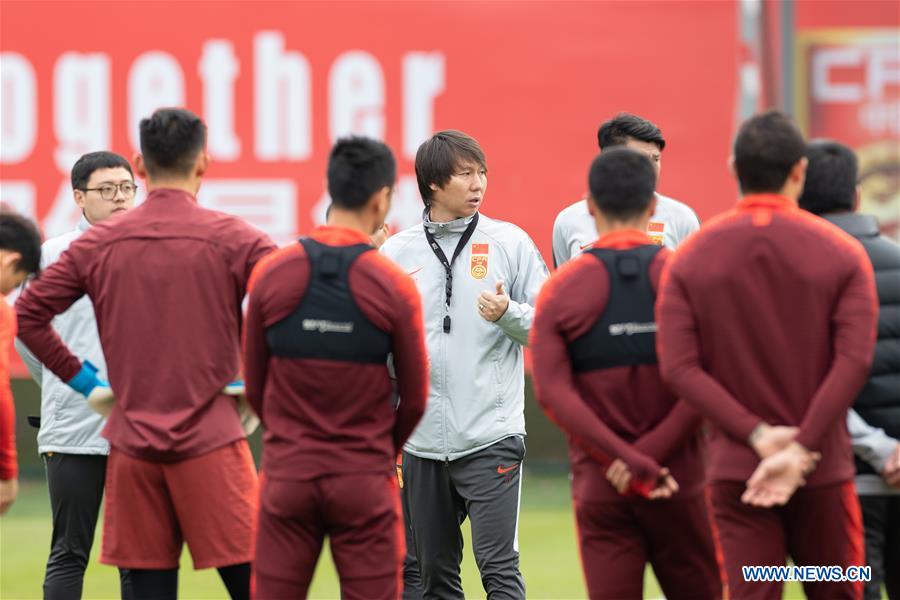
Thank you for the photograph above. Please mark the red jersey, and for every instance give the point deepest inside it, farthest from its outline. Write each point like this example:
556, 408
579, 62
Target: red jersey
625, 411
325, 416
9, 468
167, 280
768, 314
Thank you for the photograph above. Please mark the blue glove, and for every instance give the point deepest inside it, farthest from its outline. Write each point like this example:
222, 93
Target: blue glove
86, 379
234, 388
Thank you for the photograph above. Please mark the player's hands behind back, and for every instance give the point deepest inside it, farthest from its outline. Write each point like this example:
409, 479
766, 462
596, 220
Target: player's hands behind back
767, 439
620, 477
777, 477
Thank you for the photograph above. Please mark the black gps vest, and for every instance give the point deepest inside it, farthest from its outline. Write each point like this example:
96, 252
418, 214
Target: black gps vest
327, 323
625, 334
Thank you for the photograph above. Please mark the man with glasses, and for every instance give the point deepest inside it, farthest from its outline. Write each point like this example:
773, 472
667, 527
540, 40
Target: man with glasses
69, 438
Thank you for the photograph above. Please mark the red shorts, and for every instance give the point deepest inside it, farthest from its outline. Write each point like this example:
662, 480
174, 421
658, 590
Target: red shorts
152, 508
819, 525
359, 513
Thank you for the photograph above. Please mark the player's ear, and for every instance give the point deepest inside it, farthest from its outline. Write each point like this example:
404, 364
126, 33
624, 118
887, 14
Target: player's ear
381, 202
857, 197
798, 171
592, 206
10, 259
732, 169
202, 163
140, 169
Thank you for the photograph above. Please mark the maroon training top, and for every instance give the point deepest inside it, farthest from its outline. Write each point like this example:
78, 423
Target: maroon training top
167, 279
624, 412
768, 313
326, 416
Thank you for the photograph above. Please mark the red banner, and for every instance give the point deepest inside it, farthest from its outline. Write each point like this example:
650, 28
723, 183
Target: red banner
278, 82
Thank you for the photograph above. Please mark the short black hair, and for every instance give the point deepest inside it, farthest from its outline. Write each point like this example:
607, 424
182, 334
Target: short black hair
171, 139
85, 166
622, 182
831, 178
440, 155
357, 168
766, 148
617, 130
20, 234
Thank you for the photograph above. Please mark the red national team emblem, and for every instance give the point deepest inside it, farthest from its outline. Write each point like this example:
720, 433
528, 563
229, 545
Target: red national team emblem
479, 262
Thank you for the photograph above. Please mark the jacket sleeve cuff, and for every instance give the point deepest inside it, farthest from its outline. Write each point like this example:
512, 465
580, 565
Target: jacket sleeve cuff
85, 380
745, 427
515, 323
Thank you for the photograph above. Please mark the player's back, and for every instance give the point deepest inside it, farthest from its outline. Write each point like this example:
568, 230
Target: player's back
167, 279
330, 309
763, 283
621, 386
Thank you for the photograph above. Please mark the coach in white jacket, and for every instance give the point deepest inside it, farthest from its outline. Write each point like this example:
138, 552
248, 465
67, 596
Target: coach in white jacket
69, 437
479, 279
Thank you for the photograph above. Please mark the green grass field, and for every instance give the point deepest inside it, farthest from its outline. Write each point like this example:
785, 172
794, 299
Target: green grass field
550, 560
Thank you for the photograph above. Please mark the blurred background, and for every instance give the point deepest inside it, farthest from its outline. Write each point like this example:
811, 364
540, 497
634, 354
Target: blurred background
279, 82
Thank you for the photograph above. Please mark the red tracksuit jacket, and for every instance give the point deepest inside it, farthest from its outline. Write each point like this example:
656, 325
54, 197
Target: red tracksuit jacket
624, 412
325, 416
768, 313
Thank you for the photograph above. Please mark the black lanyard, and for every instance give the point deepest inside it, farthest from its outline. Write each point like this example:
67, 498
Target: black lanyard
448, 264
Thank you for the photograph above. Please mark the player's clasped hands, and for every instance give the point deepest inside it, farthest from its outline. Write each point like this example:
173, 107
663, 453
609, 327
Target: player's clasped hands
769, 439
784, 466
493, 306
619, 476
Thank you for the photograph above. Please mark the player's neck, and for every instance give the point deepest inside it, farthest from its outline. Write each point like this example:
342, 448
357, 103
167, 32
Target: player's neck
191, 186
351, 220
605, 226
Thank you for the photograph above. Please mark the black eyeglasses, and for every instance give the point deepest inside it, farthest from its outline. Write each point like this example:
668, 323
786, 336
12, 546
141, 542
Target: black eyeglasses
108, 190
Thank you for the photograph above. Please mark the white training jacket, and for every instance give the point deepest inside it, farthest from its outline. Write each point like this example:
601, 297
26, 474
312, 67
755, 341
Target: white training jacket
68, 425
477, 393
574, 228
